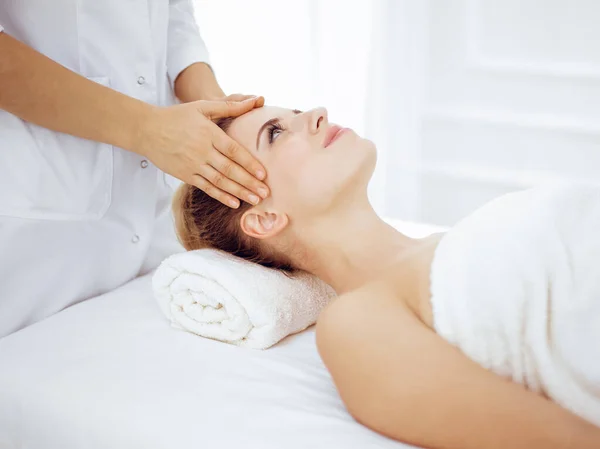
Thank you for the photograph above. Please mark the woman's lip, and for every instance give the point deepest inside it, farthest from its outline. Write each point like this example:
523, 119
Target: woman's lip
332, 135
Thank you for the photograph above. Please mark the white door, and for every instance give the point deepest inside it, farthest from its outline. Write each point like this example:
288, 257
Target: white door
482, 97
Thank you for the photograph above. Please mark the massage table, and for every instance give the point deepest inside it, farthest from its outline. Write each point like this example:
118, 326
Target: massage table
110, 373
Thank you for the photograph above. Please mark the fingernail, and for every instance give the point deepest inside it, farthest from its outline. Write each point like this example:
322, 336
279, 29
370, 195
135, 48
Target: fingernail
253, 199
260, 174
234, 204
263, 192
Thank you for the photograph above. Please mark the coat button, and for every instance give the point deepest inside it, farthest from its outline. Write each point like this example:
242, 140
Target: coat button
141, 80
144, 163
135, 238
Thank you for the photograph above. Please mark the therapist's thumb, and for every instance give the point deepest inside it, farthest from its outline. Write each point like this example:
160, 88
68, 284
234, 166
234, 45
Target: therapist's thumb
219, 109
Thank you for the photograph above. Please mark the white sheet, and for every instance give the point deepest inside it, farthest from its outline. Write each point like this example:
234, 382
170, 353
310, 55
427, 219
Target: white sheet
111, 373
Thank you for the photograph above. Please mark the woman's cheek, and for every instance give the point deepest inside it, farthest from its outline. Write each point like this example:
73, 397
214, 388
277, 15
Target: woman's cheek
289, 166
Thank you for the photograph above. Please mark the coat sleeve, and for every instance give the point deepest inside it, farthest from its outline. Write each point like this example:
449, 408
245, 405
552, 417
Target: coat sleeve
184, 43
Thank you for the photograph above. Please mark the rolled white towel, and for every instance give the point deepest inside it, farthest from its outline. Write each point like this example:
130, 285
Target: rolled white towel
216, 295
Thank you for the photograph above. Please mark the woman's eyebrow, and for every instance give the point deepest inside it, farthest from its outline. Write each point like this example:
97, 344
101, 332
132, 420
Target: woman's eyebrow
263, 127
269, 123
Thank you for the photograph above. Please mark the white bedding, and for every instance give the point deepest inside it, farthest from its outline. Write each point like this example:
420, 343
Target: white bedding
110, 373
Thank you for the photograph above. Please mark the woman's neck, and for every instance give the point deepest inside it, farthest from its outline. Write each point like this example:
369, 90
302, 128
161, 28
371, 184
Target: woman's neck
349, 248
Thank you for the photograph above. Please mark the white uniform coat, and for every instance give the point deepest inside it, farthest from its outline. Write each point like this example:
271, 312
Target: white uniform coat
79, 218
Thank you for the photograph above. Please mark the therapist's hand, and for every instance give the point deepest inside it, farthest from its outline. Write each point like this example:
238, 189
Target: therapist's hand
184, 142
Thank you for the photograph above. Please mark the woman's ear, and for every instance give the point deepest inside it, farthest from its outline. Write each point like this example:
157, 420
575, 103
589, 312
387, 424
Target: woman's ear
261, 224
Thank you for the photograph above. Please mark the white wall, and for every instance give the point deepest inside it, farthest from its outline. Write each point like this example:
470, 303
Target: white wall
512, 99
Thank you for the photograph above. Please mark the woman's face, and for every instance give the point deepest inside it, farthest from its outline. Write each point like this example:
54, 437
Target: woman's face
311, 164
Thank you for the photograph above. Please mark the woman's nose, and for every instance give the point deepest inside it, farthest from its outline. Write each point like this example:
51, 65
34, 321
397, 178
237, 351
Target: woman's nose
318, 119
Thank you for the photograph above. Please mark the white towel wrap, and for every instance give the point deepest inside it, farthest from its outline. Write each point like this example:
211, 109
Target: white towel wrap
516, 286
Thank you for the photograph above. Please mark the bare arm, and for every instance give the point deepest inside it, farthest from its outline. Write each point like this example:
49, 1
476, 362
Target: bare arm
181, 140
401, 379
197, 82
41, 91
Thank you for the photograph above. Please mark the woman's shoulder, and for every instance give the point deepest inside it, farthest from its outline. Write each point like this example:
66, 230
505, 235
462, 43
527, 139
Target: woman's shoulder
404, 285
354, 310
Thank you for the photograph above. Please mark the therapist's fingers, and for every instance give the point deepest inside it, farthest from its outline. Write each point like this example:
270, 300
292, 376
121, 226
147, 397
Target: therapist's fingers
241, 97
232, 171
211, 190
224, 183
218, 109
235, 154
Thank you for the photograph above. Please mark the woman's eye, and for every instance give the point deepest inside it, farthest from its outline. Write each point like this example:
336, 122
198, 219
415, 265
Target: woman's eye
274, 132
